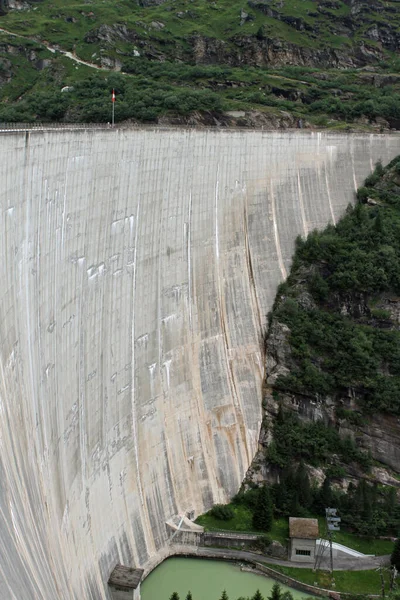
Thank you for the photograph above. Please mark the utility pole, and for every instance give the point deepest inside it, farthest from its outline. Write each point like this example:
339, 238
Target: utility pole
332, 524
113, 107
330, 549
381, 575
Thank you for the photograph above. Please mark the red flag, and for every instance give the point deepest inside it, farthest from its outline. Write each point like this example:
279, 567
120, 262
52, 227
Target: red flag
113, 96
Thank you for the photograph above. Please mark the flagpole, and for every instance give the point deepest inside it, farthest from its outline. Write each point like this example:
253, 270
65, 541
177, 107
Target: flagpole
113, 107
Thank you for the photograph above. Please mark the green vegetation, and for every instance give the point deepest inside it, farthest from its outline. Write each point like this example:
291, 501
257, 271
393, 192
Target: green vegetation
150, 90
222, 512
337, 343
312, 442
263, 515
243, 522
276, 594
354, 582
395, 557
180, 57
365, 509
366, 545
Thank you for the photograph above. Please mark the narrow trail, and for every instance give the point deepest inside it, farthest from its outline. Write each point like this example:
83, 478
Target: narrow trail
55, 49
73, 56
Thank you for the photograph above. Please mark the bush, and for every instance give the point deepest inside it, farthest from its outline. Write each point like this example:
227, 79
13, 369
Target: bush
263, 543
223, 512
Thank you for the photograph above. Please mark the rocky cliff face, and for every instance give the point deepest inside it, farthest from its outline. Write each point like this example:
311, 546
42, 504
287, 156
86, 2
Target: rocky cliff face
377, 434
298, 367
249, 50
263, 32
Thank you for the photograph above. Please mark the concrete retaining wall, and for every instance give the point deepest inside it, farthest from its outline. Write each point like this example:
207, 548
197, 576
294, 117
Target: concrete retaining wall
137, 270
229, 541
297, 585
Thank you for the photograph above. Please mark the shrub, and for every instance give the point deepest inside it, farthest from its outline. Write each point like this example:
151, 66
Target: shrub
264, 542
223, 512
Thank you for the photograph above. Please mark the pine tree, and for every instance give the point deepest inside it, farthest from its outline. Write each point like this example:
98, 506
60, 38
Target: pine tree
367, 507
303, 486
287, 596
295, 506
276, 592
189, 595
358, 500
263, 513
224, 596
395, 557
325, 494
174, 596
280, 417
257, 596
390, 501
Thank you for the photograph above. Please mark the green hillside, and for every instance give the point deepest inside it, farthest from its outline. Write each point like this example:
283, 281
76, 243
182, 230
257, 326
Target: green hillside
326, 63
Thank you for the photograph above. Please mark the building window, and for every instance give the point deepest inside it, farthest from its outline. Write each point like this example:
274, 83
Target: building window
303, 552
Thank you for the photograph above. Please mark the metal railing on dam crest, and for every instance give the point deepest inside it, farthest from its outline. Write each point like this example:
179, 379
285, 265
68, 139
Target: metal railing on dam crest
137, 268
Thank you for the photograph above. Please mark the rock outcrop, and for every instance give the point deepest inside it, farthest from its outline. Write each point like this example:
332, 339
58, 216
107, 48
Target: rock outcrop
303, 377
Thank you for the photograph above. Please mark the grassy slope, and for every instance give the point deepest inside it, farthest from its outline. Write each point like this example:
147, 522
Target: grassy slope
242, 522
270, 91
355, 582
182, 18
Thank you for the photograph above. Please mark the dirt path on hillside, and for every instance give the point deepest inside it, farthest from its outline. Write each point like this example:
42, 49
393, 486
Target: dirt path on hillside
55, 49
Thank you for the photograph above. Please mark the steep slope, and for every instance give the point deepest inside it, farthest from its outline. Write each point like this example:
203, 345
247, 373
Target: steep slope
333, 344
308, 32
305, 58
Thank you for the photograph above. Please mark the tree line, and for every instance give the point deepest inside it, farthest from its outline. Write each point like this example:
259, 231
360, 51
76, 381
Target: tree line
365, 508
276, 594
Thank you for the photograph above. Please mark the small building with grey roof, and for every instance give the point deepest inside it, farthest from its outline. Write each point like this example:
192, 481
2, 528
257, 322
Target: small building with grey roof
303, 534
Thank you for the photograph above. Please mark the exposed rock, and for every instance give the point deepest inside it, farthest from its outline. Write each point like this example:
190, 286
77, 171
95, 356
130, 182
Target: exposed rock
42, 63
332, 4
5, 71
243, 17
382, 476
111, 33
389, 38
277, 550
316, 474
110, 63
250, 119
279, 349
17, 4
146, 3
158, 25
251, 50
391, 304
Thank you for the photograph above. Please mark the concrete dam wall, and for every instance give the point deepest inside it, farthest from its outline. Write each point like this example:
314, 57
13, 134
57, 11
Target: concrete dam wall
137, 270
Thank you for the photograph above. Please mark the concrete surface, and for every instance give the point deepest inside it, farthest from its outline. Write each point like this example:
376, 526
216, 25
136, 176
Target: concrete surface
343, 551
365, 563
137, 269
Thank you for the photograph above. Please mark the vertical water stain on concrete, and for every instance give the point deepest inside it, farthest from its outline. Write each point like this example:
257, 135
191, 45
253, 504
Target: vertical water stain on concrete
137, 271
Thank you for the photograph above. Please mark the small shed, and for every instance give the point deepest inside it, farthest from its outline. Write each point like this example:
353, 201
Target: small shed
303, 535
124, 583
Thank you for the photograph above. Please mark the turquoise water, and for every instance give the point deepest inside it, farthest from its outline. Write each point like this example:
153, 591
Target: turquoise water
205, 579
